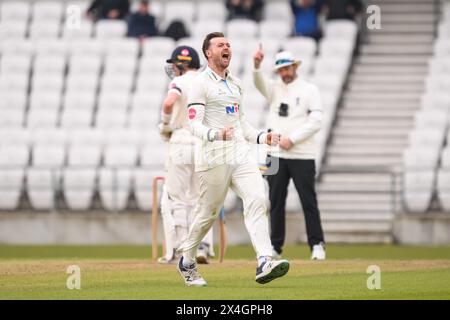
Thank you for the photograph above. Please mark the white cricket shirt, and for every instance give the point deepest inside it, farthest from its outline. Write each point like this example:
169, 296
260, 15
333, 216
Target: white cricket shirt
214, 103
302, 119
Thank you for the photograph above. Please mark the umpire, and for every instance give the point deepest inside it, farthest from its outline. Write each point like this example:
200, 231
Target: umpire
296, 113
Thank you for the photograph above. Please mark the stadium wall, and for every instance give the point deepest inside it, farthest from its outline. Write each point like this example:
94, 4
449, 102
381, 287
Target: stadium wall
135, 228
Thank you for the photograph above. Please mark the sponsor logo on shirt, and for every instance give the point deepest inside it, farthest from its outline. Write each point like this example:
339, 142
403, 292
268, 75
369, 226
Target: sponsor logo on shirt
192, 113
232, 109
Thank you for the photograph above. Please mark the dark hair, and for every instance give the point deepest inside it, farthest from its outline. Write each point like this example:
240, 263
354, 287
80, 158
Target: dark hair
207, 41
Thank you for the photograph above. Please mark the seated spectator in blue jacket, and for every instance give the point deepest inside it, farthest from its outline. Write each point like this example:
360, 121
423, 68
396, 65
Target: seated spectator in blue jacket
142, 24
306, 13
108, 9
245, 9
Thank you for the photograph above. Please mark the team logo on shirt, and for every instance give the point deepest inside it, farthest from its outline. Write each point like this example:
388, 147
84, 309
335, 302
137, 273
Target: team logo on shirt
232, 109
192, 113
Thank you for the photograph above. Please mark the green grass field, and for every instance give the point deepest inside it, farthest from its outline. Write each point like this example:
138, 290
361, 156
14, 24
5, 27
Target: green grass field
126, 272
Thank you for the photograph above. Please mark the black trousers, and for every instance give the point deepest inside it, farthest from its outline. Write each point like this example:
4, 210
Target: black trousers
303, 174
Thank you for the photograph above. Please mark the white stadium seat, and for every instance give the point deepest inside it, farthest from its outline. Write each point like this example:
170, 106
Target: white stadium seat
13, 29
432, 119
49, 64
49, 136
42, 118
48, 82
82, 82
211, 11
441, 49
12, 63
81, 30
45, 100
41, 186
51, 47
242, 29
13, 82
118, 65
11, 118
300, 47
44, 29
143, 118
14, 10
120, 82
14, 156
114, 187
120, 156
86, 137
12, 101
14, 136
126, 47
427, 137
340, 29
158, 46
418, 190
76, 118
86, 46
85, 64
153, 155
17, 46
52, 155
81, 155
445, 158
143, 187
109, 100
47, 10
335, 47
11, 183
443, 187
124, 137
79, 187
152, 82
278, 10
203, 27
107, 119
420, 158
275, 28
74, 100
109, 29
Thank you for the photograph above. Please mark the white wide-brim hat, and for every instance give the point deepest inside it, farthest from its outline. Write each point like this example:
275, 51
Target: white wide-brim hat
283, 59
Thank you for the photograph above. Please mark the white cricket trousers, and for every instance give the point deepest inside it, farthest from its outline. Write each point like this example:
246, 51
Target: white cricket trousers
246, 181
182, 187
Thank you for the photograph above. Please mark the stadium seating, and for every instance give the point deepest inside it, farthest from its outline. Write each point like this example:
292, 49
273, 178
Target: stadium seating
79, 102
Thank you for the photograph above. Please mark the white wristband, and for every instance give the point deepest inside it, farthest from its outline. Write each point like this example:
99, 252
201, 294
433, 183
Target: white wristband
165, 117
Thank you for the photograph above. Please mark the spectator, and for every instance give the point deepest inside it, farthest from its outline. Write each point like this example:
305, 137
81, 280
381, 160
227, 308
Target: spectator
245, 9
108, 9
341, 9
142, 24
176, 30
306, 13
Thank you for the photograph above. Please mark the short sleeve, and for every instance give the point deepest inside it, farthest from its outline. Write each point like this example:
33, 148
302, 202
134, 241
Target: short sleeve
176, 87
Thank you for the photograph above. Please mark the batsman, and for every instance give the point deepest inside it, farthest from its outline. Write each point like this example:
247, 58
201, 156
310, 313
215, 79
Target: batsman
181, 188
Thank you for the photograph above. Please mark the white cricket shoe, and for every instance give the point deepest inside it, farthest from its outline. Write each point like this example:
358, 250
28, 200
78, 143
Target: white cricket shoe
270, 270
191, 275
318, 252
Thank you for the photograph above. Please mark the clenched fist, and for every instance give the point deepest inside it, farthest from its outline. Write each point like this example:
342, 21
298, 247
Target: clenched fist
273, 138
226, 133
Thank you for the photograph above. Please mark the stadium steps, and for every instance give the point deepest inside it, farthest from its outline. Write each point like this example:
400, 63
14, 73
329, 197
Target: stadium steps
373, 122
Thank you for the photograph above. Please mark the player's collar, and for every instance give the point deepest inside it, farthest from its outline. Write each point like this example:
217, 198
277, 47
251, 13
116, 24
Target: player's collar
216, 77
